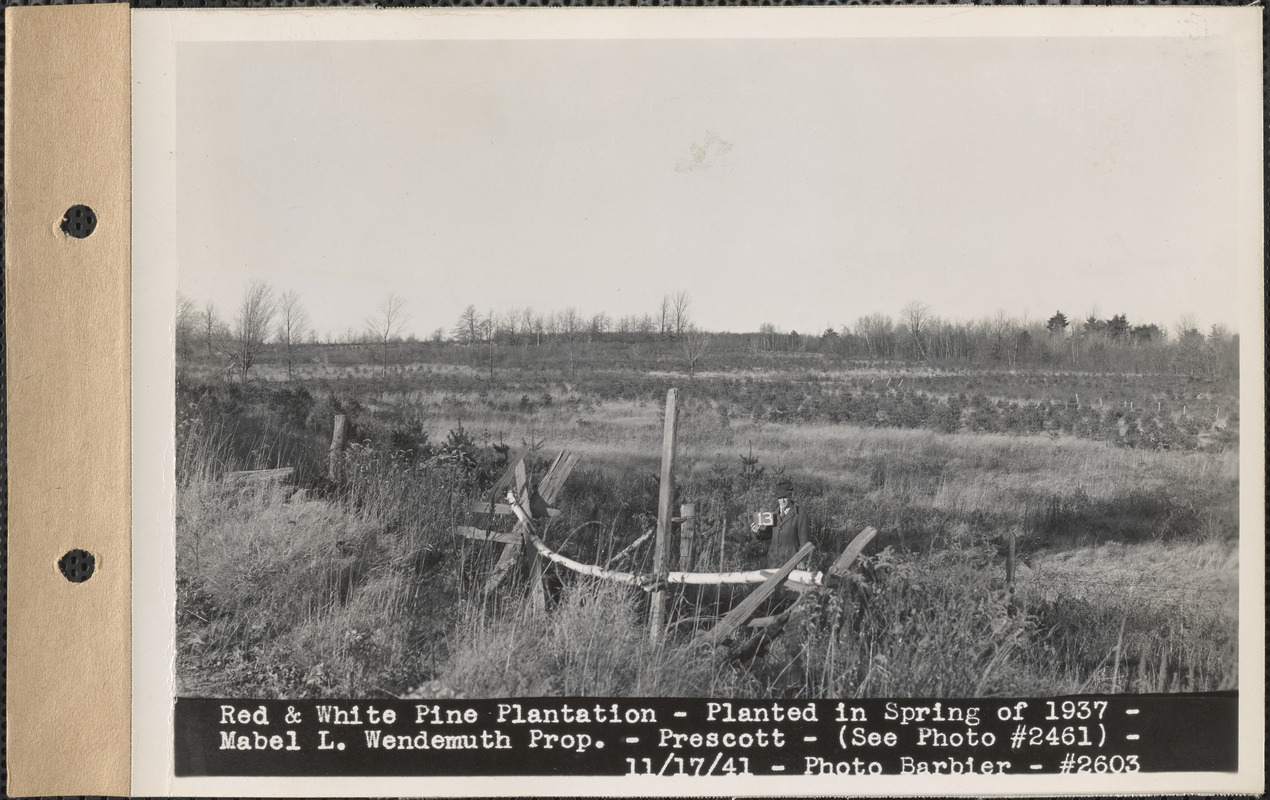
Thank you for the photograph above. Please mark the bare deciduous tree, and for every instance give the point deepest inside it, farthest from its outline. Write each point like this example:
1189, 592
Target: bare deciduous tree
186, 325
916, 317
530, 323
467, 330
568, 321
570, 336
601, 323
695, 344
293, 326
1002, 328
386, 325
210, 327
252, 324
877, 331
1185, 324
679, 312
509, 326
488, 332
767, 335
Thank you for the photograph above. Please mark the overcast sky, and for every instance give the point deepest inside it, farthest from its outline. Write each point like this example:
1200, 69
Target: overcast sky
799, 183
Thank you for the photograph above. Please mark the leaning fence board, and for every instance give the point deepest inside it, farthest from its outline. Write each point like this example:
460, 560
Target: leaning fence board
522, 481
510, 558
505, 479
852, 552
739, 615
774, 623
483, 535
555, 462
553, 482
772, 627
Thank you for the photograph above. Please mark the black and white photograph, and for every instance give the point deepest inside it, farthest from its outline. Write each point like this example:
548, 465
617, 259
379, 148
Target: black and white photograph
780, 362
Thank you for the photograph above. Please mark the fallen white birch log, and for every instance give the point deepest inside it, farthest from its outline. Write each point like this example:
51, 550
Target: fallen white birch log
649, 582
799, 576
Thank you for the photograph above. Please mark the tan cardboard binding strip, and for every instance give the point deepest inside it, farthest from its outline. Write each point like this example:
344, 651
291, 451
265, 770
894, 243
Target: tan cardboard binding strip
67, 142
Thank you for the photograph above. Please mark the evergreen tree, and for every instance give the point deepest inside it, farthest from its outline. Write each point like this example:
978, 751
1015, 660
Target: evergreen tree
1057, 323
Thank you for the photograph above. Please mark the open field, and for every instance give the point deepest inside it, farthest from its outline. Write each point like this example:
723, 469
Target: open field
1127, 543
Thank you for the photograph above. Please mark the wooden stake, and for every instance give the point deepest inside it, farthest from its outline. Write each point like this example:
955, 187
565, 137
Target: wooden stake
537, 592
687, 535
509, 558
337, 445
665, 501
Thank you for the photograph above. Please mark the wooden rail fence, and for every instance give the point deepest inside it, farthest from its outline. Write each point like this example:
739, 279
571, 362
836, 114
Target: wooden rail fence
533, 507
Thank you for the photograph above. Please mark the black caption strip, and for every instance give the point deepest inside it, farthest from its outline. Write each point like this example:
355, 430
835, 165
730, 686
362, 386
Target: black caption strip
677, 737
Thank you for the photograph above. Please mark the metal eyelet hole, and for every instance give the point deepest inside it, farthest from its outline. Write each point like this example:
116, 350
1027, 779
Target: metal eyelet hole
77, 566
79, 222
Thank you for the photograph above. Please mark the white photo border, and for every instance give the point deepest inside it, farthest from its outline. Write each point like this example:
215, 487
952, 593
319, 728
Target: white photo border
155, 35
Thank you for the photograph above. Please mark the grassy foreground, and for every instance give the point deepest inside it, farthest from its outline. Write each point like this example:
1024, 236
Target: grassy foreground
361, 588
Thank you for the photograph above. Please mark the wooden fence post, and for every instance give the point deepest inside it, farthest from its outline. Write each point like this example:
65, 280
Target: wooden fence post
537, 594
665, 501
687, 536
337, 445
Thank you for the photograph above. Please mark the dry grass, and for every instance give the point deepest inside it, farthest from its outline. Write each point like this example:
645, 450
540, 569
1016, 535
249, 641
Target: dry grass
593, 643
366, 591
284, 596
1151, 617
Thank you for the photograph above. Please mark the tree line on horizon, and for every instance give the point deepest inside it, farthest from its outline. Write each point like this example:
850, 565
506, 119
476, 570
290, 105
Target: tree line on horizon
265, 320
